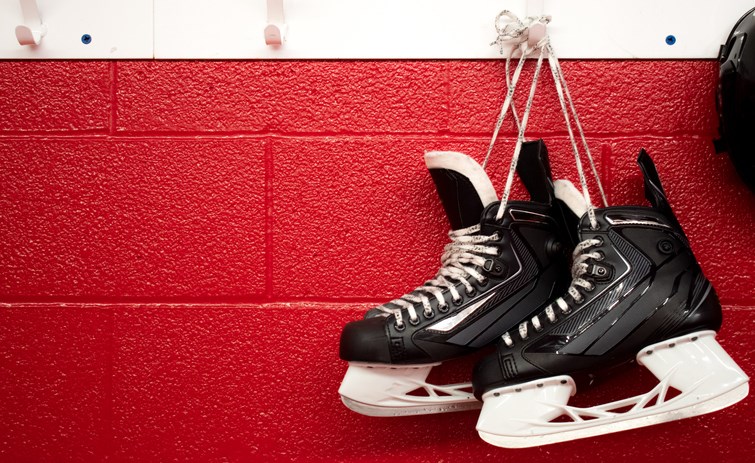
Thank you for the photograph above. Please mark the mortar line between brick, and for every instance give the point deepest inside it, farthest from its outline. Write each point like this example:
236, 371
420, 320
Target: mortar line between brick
606, 167
447, 90
112, 119
65, 303
141, 136
269, 220
108, 438
335, 304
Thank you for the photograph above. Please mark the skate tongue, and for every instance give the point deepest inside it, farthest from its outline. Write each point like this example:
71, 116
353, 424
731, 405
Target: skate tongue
534, 170
463, 186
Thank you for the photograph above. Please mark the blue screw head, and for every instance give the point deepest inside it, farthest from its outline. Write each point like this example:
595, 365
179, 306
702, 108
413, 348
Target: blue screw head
86, 39
670, 40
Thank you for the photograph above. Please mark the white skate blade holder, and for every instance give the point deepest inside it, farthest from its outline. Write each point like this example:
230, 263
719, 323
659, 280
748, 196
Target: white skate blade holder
695, 364
388, 390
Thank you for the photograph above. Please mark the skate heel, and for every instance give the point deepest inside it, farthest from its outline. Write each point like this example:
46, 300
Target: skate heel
705, 376
398, 390
698, 367
511, 411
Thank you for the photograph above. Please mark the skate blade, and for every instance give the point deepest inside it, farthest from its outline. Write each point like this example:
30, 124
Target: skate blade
695, 364
401, 390
409, 410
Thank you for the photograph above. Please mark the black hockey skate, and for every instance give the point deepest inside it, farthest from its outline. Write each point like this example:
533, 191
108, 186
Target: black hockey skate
494, 274
637, 292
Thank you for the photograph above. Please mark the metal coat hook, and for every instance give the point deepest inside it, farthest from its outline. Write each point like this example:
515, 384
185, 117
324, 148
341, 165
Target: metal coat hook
275, 32
32, 30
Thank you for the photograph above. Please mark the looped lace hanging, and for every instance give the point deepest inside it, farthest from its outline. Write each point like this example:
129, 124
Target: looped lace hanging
514, 29
563, 95
578, 285
466, 250
517, 30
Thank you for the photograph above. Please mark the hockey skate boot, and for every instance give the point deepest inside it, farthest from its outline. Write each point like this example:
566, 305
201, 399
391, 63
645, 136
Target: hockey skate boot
637, 293
464, 190
494, 274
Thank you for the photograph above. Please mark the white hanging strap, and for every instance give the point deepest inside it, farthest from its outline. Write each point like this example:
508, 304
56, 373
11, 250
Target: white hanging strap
512, 31
505, 108
559, 81
519, 31
520, 137
549, 49
508, 85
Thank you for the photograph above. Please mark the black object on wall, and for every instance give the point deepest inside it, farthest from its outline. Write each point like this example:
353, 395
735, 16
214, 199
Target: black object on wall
736, 98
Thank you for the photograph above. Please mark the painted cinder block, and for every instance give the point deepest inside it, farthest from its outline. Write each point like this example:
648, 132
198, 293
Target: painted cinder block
172, 206
360, 218
54, 382
353, 217
282, 96
42, 96
93, 218
240, 382
261, 383
611, 97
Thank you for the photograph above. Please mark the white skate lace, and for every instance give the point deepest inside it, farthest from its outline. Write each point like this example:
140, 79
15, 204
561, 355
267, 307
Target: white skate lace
465, 247
517, 30
578, 270
465, 251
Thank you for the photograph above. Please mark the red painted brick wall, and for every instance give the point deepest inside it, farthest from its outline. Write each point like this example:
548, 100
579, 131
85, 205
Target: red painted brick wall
181, 242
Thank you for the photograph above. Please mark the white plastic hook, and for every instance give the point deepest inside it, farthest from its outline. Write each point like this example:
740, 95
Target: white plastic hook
536, 31
275, 32
32, 30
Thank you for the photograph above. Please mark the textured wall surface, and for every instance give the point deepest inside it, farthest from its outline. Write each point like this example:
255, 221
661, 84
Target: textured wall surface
181, 243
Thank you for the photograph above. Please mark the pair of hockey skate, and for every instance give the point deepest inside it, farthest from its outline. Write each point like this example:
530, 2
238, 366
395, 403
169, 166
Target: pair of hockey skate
631, 290
635, 290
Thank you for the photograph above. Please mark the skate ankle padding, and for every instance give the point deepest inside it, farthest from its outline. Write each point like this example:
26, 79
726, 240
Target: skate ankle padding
462, 185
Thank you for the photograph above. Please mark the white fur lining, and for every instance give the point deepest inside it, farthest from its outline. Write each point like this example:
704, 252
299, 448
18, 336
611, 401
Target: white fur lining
466, 166
568, 193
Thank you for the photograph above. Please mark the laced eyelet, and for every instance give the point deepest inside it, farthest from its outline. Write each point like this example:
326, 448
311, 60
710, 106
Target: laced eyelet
471, 293
414, 322
400, 327
443, 308
576, 301
591, 288
483, 282
429, 314
550, 314
599, 238
600, 257
457, 301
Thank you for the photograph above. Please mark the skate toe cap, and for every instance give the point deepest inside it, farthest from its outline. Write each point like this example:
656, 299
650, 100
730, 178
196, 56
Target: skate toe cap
365, 341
